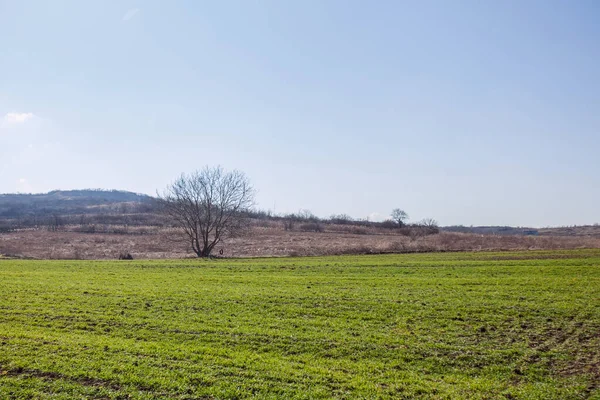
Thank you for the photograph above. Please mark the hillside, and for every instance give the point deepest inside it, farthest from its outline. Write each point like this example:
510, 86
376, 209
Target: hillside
100, 224
68, 202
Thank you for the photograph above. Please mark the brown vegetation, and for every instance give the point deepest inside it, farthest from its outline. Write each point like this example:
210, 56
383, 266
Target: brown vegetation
96, 224
266, 238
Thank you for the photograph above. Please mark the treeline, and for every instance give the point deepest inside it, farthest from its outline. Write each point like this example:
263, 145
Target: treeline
88, 201
306, 221
91, 210
491, 230
121, 212
86, 223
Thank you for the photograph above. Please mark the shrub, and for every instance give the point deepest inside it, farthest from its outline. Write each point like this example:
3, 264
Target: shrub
125, 256
389, 224
357, 230
340, 219
288, 224
311, 227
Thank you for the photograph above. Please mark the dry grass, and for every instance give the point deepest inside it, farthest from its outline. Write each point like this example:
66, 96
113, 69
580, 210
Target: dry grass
587, 230
267, 240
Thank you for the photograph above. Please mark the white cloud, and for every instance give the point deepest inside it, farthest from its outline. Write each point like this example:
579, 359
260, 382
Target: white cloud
130, 14
375, 216
23, 186
17, 118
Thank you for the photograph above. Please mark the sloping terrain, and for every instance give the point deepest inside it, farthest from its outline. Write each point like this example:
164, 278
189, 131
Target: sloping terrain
67, 202
100, 224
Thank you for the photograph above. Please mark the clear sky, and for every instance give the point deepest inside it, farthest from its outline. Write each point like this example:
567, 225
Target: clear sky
469, 112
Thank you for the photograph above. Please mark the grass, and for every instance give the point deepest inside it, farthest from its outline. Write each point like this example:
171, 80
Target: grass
268, 241
520, 325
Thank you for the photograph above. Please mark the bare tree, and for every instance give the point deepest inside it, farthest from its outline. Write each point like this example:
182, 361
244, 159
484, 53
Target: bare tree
430, 226
209, 205
429, 223
307, 215
288, 224
399, 216
55, 222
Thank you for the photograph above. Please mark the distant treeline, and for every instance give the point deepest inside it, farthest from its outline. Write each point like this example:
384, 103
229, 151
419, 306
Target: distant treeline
491, 230
95, 211
305, 220
70, 202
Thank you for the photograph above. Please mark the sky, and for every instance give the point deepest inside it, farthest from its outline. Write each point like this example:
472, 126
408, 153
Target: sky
468, 112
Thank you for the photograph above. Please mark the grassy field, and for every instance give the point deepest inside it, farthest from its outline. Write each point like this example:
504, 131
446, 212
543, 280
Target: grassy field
454, 325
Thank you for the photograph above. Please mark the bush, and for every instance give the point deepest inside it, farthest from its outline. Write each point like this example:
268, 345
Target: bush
389, 224
311, 227
125, 256
357, 230
288, 224
416, 231
341, 219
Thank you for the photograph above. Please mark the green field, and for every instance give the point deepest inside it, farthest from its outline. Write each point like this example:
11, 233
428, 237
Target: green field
470, 325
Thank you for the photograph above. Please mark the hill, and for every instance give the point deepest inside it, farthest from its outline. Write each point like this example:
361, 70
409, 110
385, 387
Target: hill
69, 202
100, 224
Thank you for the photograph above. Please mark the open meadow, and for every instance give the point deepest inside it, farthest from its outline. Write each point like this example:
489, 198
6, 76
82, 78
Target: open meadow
515, 325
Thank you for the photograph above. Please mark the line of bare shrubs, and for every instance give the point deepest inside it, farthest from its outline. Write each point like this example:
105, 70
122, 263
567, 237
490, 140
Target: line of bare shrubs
114, 229
57, 222
305, 221
413, 231
311, 227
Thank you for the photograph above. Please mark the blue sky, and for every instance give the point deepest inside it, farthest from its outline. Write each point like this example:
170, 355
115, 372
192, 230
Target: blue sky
469, 112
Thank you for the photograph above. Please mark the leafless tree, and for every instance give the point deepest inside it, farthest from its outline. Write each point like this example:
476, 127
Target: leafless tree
288, 224
307, 215
55, 222
429, 223
430, 226
209, 205
399, 216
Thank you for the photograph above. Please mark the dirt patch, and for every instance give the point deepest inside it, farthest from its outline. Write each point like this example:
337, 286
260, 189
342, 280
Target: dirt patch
48, 375
579, 341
